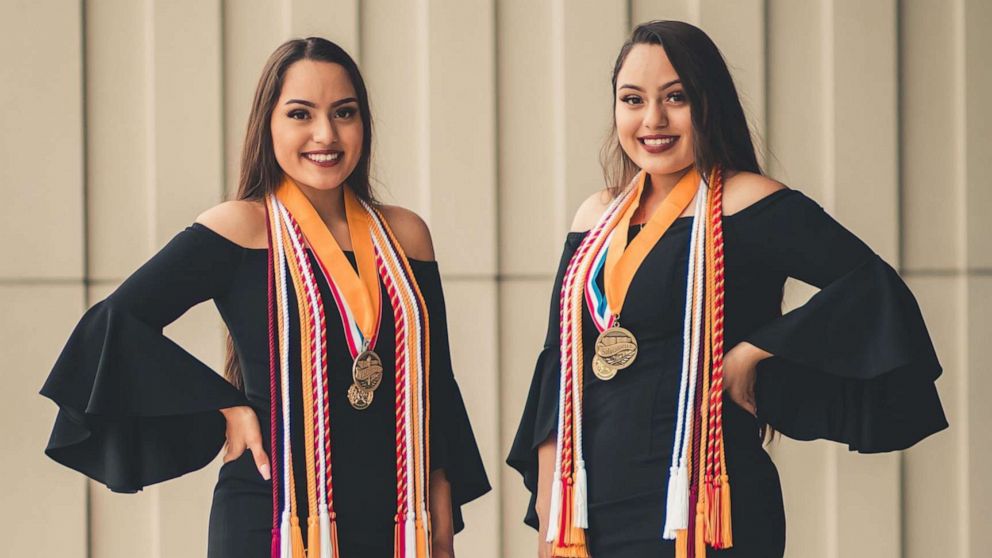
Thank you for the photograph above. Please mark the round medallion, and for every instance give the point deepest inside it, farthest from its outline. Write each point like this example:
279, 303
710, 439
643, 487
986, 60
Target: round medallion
617, 347
367, 371
602, 370
359, 398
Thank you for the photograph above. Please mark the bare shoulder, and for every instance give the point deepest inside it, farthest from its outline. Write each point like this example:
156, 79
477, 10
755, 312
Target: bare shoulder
411, 231
742, 189
591, 210
241, 221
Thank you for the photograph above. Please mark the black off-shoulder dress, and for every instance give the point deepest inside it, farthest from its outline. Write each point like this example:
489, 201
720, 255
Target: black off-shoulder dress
136, 409
855, 364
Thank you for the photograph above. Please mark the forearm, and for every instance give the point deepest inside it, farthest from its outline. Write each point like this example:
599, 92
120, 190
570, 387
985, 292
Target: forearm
752, 353
545, 477
442, 522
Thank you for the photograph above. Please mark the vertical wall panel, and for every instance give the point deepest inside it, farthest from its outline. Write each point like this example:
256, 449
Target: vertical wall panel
394, 47
647, 10
977, 44
978, 443
186, 135
252, 30
462, 135
472, 323
977, 173
738, 29
40, 147
931, 208
41, 497
336, 21
932, 511
523, 320
532, 222
118, 117
587, 35
863, 129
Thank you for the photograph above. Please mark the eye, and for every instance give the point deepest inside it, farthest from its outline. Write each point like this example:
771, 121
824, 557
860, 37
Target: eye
298, 114
344, 113
676, 97
631, 100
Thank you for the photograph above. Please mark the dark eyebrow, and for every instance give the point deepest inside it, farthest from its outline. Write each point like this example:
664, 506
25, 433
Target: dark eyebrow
665, 86
344, 101
313, 105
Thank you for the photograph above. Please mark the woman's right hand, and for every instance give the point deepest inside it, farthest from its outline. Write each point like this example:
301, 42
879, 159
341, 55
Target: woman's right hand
243, 432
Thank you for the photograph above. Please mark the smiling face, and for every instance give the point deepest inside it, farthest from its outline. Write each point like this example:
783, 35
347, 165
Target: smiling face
316, 125
653, 117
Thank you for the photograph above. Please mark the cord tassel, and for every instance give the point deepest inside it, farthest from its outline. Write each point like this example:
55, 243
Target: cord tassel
677, 515
700, 538
297, 534
409, 536
421, 539
682, 544
571, 541
276, 544
285, 538
581, 505
726, 531
326, 550
313, 536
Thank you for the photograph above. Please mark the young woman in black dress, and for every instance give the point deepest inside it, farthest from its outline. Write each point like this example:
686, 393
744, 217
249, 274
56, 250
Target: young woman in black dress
136, 409
632, 468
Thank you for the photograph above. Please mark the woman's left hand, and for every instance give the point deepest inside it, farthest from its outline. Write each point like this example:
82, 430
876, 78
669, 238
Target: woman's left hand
739, 371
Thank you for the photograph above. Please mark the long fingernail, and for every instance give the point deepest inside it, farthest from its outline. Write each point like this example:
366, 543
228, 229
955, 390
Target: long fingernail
264, 469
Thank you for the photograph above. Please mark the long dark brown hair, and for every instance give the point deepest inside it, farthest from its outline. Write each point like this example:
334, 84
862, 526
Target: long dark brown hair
720, 133
260, 172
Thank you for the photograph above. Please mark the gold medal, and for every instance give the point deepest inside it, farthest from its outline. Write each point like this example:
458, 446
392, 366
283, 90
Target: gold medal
367, 371
602, 370
617, 347
359, 398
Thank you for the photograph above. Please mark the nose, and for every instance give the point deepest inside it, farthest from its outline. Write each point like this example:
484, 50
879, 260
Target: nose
324, 132
656, 116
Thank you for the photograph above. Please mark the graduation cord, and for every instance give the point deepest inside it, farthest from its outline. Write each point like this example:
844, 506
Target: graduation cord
418, 339
677, 500
567, 503
720, 534
273, 390
316, 411
282, 301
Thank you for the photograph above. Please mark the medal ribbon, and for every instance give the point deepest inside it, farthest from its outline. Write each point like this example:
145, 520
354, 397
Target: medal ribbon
622, 260
356, 295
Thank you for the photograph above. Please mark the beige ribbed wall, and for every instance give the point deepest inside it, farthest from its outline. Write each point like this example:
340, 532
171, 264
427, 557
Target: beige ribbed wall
121, 120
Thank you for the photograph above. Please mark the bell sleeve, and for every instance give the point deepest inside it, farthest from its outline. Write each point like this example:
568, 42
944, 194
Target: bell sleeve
855, 364
540, 416
453, 445
134, 407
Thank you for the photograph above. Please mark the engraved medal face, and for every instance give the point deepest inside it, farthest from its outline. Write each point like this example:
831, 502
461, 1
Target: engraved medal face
367, 371
602, 370
617, 347
359, 398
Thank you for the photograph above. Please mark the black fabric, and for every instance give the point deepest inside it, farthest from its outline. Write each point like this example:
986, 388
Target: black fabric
855, 364
135, 408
